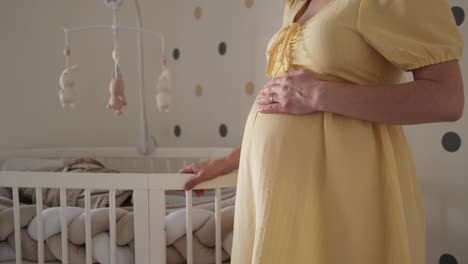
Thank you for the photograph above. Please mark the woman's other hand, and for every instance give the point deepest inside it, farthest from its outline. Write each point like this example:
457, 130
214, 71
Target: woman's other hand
297, 92
205, 170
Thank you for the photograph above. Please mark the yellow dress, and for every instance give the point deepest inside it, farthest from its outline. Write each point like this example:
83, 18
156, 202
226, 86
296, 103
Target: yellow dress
325, 188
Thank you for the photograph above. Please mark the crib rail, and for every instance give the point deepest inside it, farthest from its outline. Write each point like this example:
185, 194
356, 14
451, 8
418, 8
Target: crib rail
148, 201
166, 153
149, 207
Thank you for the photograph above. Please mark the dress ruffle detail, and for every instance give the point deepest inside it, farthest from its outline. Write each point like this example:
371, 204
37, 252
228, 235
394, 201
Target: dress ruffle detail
281, 48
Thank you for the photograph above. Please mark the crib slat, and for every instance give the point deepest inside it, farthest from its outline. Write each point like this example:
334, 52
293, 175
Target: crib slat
188, 224
141, 226
40, 226
112, 224
64, 224
157, 210
218, 224
89, 259
16, 218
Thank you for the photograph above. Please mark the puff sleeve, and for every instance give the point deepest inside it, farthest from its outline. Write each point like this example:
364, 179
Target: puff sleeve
410, 33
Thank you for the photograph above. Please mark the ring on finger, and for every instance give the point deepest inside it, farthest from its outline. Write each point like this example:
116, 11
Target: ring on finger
271, 99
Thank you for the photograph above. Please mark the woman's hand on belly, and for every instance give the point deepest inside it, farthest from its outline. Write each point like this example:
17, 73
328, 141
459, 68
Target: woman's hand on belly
297, 92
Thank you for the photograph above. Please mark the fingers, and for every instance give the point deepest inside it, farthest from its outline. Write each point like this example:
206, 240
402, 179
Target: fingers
273, 89
271, 108
187, 169
265, 100
279, 85
276, 82
192, 182
286, 79
200, 192
283, 80
272, 83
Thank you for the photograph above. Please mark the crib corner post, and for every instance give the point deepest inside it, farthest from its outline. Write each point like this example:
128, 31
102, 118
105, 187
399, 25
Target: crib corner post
141, 226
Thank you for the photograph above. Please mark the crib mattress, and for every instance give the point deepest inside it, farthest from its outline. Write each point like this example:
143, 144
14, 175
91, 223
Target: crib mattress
203, 235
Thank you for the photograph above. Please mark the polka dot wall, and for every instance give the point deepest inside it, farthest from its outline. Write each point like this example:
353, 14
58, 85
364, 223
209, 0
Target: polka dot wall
217, 51
211, 92
201, 55
441, 161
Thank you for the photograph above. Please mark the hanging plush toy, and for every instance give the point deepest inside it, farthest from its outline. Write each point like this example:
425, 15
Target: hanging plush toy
116, 89
146, 143
67, 94
163, 89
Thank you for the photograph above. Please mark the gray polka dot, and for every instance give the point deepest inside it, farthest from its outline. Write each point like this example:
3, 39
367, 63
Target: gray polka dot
222, 48
223, 130
451, 141
176, 54
177, 131
458, 14
447, 259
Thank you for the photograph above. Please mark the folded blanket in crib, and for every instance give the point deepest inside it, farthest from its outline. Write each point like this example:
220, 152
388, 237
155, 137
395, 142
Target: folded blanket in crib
75, 197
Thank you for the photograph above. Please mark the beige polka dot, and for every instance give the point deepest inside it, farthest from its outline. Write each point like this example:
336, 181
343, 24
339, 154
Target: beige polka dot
249, 88
198, 90
249, 3
198, 12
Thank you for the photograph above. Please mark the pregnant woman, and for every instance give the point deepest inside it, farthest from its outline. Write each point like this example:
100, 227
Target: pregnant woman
326, 175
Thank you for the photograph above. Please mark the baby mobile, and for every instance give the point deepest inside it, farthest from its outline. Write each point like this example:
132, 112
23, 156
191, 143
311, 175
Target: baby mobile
68, 94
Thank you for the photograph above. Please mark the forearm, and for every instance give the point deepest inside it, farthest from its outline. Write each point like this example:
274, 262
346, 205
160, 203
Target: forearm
232, 159
421, 101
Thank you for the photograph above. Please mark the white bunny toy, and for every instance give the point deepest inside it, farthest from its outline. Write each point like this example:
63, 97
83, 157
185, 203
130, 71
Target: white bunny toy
68, 93
163, 91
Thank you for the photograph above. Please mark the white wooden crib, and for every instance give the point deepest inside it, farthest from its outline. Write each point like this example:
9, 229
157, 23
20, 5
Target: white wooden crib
149, 177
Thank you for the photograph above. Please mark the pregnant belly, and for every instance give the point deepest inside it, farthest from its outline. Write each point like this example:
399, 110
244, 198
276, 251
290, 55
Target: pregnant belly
283, 154
273, 136
316, 142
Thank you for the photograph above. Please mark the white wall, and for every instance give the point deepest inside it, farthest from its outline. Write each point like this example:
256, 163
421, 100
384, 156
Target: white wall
30, 114
31, 50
